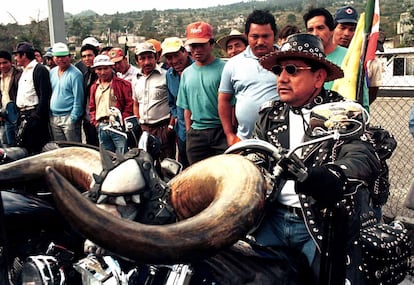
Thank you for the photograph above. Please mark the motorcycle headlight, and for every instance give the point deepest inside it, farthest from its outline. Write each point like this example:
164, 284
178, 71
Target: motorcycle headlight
42, 270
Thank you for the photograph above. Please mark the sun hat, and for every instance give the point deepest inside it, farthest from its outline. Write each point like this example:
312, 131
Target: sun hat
102, 60
303, 46
234, 34
144, 47
346, 14
60, 49
198, 33
172, 44
91, 41
116, 54
23, 47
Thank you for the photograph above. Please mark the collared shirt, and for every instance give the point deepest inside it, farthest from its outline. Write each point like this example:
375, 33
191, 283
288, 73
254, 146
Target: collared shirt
288, 195
130, 74
104, 99
26, 93
152, 95
5, 79
251, 85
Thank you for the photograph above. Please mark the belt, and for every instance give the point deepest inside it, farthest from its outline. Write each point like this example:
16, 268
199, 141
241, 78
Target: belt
26, 109
104, 120
162, 123
293, 210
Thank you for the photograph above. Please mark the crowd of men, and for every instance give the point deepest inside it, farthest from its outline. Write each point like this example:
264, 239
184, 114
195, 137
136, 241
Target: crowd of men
200, 105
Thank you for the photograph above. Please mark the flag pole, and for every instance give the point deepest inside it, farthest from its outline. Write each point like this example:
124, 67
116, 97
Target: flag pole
126, 48
369, 15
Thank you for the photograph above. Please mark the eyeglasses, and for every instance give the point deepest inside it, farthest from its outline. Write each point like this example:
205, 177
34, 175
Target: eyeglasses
290, 68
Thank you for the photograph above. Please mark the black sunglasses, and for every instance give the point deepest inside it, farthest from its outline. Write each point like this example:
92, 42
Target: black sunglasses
290, 68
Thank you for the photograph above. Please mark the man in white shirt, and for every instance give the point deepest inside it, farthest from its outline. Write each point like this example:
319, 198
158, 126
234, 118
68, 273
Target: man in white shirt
32, 100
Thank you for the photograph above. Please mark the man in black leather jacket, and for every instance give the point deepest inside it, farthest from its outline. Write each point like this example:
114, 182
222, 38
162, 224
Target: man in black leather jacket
320, 215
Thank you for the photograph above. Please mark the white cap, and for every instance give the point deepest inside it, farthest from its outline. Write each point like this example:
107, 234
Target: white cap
102, 60
91, 41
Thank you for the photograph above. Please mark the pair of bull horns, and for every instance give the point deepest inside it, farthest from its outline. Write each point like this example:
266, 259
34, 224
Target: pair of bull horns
217, 200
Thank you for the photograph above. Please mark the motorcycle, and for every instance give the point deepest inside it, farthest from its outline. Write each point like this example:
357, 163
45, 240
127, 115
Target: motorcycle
234, 259
29, 222
35, 237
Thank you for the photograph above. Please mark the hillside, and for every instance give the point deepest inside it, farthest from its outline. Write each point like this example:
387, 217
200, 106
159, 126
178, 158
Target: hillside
164, 23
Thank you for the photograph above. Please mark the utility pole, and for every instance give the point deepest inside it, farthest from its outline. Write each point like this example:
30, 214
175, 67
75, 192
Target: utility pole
56, 22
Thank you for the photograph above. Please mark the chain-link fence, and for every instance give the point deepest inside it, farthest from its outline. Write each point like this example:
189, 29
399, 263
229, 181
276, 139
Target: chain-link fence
391, 110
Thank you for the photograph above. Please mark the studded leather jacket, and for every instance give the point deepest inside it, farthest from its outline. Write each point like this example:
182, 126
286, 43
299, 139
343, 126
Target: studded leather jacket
355, 157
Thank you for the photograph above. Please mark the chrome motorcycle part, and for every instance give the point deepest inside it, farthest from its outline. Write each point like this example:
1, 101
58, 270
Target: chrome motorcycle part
42, 270
348, 118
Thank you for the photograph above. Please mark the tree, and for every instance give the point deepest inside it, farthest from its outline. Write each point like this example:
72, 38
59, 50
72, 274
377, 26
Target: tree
115, 24
130, 25
291, 19
408, 36
147, 22
79, 27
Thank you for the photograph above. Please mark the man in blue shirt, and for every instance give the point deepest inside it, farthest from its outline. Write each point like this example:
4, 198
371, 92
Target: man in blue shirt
244, 83
67, 101
178, 59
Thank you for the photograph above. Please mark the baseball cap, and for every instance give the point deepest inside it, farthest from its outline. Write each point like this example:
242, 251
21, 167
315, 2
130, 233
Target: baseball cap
91, 41
24, 47
60, 49
198, 33
48, 53
346, 14
144, 47
116, 54
156, 44
172, 44
102, 60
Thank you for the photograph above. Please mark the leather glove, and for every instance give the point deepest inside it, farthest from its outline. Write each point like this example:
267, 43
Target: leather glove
324, 183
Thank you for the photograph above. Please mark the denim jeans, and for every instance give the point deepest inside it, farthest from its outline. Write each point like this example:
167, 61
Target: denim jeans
10, 130
111, 141
280, 228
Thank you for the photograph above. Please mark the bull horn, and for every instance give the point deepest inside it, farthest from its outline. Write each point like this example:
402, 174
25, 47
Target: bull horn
229, 187
77, 164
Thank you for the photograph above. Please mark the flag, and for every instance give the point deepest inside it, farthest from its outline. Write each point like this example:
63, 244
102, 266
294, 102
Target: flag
373, 20
361, 50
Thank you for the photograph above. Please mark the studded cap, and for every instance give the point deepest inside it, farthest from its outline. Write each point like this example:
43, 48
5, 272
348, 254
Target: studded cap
303, 46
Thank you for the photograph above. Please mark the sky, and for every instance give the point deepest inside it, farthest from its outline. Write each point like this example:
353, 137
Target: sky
24, 11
